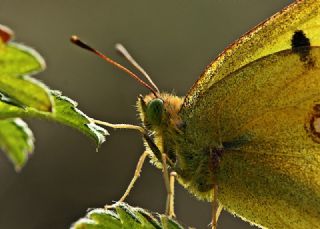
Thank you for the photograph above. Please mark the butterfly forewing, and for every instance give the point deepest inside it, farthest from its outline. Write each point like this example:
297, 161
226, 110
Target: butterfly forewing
266, 118
271, 36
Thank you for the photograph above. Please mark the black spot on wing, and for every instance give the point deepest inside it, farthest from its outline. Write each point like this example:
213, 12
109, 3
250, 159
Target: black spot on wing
299, 39
300, 44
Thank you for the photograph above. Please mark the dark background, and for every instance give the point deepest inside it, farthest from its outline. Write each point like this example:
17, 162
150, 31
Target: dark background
173, 41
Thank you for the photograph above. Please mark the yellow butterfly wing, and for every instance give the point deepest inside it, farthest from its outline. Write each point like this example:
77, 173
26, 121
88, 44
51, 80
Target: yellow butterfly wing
270, 36
266, 118
259, 101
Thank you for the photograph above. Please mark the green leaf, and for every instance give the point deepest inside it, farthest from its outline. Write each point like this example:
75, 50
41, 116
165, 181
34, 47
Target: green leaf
6, 99
23, 96
18, 91
123, 216
16, 140
17, 59
65, 111
26, 90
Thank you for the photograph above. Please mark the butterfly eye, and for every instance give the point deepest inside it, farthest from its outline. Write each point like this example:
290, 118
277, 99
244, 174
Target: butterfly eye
154, 112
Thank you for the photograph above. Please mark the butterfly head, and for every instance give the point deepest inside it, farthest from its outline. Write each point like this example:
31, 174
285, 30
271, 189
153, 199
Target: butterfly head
160, 113
160, 119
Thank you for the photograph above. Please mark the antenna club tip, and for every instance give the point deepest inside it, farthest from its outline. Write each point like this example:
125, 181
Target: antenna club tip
74, 39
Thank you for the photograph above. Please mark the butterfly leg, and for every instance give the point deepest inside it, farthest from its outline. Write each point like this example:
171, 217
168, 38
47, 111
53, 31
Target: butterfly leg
133, 180
216, 208
168, 180
170, 196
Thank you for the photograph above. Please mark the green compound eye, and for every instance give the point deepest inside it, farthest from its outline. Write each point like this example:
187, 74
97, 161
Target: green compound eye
154, 112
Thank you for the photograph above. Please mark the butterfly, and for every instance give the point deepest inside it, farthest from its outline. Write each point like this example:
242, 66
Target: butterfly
246, 137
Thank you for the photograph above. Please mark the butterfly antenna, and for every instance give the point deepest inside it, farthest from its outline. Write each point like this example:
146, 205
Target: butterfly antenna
75, 40
124, 52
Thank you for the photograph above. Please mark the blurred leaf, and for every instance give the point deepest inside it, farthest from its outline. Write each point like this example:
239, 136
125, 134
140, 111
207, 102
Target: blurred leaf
6, 33
65, 111
27, 91
16, 140
6, 99
15, 62
17, 59
123, 216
